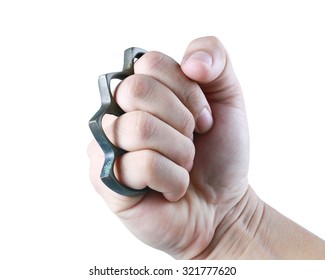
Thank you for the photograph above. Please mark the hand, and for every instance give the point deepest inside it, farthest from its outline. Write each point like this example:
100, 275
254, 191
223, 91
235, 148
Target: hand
200, 180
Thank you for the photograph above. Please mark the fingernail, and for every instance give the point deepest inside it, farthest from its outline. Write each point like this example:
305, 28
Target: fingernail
202, 57
204, 121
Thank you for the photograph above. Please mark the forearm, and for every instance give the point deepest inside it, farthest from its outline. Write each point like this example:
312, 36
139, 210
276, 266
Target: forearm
254, 230
285, 239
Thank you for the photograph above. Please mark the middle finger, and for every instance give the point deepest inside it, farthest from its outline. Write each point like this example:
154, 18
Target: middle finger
144, 93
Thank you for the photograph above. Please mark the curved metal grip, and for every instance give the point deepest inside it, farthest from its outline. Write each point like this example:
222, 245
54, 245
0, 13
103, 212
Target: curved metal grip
109, 106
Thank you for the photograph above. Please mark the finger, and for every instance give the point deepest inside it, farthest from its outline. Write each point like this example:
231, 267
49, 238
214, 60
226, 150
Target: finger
144, 93
139, 130
114, 200
149, 168
138, 170
168, 72
207, 62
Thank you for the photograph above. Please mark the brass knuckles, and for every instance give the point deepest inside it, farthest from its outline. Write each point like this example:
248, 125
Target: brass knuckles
109, 106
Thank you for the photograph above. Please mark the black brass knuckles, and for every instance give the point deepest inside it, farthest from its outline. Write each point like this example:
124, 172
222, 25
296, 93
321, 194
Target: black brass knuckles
109, 106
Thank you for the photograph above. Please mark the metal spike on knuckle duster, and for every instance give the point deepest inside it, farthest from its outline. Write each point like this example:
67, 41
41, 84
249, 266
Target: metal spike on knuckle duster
109, 106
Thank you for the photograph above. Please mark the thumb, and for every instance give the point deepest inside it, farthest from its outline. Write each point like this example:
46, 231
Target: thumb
206, 61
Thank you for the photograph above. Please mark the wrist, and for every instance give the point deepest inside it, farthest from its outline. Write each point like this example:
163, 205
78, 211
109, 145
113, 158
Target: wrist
240, 233
254, 230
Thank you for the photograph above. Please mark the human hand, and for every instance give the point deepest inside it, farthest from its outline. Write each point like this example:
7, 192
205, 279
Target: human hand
201, 186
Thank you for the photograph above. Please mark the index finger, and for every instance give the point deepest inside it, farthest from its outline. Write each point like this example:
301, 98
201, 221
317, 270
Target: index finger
167, 71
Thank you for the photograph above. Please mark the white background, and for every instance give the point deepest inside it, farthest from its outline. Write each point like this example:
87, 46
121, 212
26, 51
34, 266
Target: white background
53, 224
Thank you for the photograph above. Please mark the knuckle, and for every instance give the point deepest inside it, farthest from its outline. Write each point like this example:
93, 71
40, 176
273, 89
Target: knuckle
183, 184
189, 155
182, 181
145, 125
187, 124
152, 164
179, 186
150, 60
185, 155
193, 95
194, 98
213, 42
139, 85
210, 42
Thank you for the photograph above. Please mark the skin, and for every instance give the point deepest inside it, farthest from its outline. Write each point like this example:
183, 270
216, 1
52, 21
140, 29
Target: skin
186, 131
